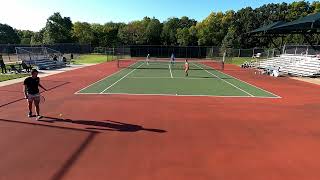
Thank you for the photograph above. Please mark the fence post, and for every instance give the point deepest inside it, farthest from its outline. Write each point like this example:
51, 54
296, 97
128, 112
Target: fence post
186, 52
9, 56
113, 53
239, 53
273, 54
224, 58
284, 49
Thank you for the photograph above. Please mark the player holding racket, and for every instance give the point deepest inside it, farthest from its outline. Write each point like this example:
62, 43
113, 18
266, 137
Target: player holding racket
172, 59
32, 93
186, 68
148, 59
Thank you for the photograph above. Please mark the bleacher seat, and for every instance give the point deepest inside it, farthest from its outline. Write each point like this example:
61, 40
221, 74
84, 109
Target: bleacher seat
294, 65
46, 64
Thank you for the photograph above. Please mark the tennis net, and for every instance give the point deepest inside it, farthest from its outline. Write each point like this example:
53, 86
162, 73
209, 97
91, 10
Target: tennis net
178, 64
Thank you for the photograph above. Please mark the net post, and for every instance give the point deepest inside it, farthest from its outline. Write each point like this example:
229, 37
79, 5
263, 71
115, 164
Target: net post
113, 53
223, 59
118, 63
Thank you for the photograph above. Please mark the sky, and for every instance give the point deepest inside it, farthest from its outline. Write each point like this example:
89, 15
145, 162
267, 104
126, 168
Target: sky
32, 14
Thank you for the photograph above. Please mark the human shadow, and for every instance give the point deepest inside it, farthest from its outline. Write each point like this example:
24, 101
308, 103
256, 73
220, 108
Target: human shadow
106, 125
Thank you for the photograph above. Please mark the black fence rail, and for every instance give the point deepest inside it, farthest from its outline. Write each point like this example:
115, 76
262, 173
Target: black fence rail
199, 52
166, 51
63, 48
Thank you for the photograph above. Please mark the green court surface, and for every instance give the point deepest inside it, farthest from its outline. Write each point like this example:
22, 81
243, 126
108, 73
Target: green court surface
162, 78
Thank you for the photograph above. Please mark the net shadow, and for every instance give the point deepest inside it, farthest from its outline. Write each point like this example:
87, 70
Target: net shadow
107, 125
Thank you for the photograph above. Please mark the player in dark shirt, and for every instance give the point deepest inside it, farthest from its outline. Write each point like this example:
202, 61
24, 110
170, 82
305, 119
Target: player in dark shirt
32, 93
2, 65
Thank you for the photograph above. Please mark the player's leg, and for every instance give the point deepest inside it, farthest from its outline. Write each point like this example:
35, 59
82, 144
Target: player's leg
37, 105
30, 102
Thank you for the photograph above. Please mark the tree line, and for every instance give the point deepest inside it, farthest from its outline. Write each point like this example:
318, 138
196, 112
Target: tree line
224, 29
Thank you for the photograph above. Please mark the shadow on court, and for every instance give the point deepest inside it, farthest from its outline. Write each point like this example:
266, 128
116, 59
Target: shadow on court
104, 125
11, 95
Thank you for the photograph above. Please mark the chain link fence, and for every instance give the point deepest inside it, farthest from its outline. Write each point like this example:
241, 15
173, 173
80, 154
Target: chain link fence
302, 50
8, 51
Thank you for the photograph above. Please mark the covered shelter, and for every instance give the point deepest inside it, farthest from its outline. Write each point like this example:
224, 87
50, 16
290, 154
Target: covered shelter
307, 26
267, 28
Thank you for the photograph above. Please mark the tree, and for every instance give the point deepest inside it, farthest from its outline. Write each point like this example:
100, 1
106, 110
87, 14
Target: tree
193, 39
246, 20
298, 9
133, 33
153, 32
58, 30
212, 30
146, 31
25, 36
171, 26
169, 31
185, 22
110, 34
37, 37
183, 36
83, 32
315, 6
8, 35
230, 40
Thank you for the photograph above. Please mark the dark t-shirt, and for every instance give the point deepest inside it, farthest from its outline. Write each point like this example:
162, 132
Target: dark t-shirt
2, 63
32, 85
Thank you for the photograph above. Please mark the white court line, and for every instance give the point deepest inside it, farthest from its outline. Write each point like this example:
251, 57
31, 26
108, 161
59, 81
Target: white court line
170, 95
225, 81
169, 78
170, 71
246, 82
120, 79
78, 92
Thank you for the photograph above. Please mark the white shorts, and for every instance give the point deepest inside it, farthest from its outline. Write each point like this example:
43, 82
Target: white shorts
34, 97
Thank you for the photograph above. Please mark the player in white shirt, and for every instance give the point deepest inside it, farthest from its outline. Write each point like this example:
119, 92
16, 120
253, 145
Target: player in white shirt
147, 59
172, 59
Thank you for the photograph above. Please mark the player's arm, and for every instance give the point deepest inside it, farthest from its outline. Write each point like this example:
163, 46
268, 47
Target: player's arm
42, 87
25, 91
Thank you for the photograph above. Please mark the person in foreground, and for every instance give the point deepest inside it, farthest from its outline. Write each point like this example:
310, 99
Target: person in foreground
186, 68
32, 93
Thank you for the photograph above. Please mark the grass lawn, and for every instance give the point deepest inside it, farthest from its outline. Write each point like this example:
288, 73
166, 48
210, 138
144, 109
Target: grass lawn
6, 77
93, 59
239, 60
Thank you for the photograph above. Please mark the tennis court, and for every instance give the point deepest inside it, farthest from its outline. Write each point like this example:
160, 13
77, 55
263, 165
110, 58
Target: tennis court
165, 79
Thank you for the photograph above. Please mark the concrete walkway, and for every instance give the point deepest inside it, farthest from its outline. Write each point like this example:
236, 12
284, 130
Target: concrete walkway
309, 80
45, 73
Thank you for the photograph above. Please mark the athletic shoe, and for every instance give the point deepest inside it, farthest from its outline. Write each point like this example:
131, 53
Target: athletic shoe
38, 117
30, 114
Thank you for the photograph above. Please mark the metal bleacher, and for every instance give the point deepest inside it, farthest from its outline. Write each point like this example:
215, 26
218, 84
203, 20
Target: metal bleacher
295, 65
41, 57
309, 66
